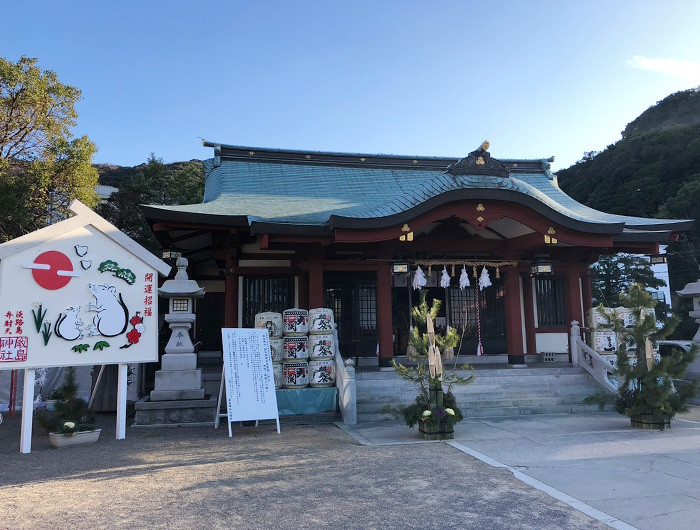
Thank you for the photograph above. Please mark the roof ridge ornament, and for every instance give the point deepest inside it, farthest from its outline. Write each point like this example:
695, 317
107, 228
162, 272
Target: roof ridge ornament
479, 162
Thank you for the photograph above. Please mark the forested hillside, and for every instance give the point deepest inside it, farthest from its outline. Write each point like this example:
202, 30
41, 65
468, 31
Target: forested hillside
653, 171
638, 175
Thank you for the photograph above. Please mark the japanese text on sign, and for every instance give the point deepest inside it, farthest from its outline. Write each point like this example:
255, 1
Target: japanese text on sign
250, 384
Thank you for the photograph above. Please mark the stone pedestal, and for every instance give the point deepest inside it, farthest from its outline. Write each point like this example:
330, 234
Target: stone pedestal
179, 377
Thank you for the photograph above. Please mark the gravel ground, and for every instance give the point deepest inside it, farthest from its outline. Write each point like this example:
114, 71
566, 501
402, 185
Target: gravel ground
309, 476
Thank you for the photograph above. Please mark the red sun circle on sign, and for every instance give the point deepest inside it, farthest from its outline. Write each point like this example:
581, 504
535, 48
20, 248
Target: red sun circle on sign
49, 279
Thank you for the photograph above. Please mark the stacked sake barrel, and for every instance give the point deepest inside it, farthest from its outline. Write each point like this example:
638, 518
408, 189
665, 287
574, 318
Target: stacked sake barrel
604, 339
295, 370
302, 347
273, 322
321, 347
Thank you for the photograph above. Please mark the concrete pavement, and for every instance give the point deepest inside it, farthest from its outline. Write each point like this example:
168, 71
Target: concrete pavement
597, 463
583, 471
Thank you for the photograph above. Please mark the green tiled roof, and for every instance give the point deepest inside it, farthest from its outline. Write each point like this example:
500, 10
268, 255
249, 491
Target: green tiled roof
325, 190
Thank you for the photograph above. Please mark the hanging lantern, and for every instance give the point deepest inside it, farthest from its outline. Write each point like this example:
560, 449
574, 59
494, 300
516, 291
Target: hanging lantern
464, 279
445, 278
484, 281
419, 279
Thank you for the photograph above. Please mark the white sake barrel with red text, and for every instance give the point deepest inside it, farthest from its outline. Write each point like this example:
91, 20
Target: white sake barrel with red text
296, 348
270, 321
322, 373
295, 374
321, 346
277, 373
277, 350
321, 320
296, 322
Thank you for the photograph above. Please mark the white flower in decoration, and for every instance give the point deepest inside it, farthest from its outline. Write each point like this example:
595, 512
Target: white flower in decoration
450, 412
445, 278
464, 279
426, 413
419, 279
484, 280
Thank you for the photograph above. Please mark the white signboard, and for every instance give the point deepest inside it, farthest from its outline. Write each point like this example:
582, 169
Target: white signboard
78, 292
77, 299
250, 383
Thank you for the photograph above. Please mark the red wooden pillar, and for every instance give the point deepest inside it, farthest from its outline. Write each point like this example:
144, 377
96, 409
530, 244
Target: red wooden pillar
514, 321
231, 295
530, 337
573, 299
384, 315
573, 295
587, 295
316, 298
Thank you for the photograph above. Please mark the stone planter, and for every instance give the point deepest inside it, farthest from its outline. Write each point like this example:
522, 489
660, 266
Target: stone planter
645, 421
436, 431
79, 438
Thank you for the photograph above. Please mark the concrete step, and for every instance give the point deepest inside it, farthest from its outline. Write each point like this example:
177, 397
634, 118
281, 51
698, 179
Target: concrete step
494, 392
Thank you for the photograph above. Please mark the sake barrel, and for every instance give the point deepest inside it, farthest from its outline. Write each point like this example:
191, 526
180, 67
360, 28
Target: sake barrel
270, 321
277, 373
277, 350
321, 320
322, 373
321, 346
295, 374
296, 322
296, 348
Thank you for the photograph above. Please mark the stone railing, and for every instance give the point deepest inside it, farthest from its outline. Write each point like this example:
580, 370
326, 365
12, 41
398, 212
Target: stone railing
589, 359
347, 386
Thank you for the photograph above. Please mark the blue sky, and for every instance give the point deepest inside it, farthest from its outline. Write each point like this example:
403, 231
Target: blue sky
535, 78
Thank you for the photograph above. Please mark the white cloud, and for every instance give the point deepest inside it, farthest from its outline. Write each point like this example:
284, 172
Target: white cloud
682, 69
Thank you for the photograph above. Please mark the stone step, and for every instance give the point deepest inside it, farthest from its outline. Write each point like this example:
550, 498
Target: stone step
209, 357
492, 412
495, 391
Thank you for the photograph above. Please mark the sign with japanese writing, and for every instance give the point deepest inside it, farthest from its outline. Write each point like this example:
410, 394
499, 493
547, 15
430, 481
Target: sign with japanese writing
70, 295
250, 383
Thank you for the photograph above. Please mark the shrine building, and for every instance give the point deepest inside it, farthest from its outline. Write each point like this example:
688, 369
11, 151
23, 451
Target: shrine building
280, 228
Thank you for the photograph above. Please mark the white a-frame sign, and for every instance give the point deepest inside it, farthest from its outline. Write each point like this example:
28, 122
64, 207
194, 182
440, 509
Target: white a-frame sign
78, 292
248, 377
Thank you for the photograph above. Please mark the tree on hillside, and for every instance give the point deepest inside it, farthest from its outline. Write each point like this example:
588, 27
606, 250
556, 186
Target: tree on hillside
614, 275
42, 167
155, 183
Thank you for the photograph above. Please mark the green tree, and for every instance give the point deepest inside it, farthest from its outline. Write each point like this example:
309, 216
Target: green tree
614, 275
42, 167
646, 386
154, 183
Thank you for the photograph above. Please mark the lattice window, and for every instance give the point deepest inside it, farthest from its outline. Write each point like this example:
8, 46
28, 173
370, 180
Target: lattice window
266, 293
549, 294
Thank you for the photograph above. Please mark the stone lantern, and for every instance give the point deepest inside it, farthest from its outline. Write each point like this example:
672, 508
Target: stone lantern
179, 378
692, 290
